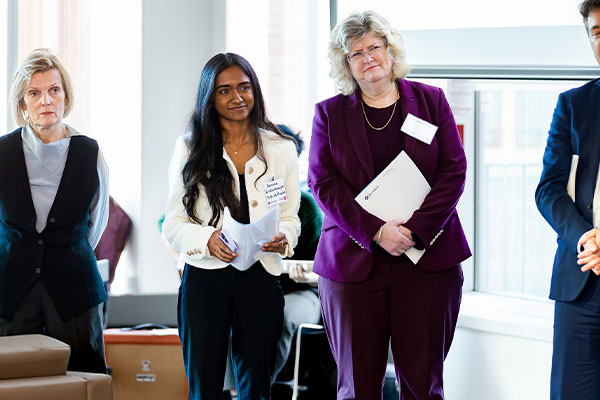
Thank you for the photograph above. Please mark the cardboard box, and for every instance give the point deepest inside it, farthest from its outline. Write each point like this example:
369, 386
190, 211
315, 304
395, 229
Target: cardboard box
146, 365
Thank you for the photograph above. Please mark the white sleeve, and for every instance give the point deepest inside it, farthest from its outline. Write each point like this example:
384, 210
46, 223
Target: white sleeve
289, 222
99, 208
184, 235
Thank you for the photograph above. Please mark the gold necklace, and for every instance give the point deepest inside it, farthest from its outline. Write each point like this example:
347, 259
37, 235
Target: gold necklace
362, 104
235, 152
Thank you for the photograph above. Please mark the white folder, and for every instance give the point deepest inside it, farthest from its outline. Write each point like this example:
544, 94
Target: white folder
396, 193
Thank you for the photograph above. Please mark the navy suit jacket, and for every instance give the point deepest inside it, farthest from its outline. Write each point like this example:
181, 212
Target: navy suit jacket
575, 129
341, 165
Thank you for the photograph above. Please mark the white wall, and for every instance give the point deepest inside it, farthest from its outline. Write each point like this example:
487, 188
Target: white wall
491, 366
178, 37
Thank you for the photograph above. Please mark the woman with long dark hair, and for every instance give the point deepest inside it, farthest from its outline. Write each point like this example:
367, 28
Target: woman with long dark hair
231, 151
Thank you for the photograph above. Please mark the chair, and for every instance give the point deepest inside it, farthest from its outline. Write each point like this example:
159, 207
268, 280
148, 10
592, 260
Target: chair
309, 329
34, 367
303, 330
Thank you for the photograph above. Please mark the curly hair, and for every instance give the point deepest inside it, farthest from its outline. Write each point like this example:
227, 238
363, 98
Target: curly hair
353, 28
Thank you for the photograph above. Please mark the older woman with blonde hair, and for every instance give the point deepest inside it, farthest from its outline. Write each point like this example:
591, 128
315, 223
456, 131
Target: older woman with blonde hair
370, 292
53, 210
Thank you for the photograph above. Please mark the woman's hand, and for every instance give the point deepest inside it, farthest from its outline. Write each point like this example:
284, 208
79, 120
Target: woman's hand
395, 238
277, 245
218, 249
590, 256
296, 273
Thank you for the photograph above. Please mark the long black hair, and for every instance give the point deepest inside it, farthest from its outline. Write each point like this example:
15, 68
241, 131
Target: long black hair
206, 165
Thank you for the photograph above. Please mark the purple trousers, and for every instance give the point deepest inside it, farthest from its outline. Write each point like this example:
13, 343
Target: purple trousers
398, 302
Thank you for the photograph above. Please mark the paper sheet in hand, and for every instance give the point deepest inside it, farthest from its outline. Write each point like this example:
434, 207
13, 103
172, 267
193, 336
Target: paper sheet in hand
250, 237
396, 193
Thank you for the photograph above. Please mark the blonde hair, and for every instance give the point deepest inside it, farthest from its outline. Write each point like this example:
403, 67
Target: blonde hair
40, 60
353, 28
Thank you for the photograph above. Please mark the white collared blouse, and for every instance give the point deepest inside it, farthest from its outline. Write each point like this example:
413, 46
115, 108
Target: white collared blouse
45, 164
190, 239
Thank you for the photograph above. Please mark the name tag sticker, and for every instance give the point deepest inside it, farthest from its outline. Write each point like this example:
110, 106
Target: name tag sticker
275, 192
419, 129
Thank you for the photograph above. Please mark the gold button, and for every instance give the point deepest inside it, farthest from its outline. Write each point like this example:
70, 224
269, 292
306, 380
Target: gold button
254, 203
250, 170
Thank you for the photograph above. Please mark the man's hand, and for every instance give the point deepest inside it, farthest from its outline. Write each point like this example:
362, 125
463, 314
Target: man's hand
589, 258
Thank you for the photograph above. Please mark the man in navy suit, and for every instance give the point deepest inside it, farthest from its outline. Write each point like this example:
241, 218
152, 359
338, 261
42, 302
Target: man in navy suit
572, 159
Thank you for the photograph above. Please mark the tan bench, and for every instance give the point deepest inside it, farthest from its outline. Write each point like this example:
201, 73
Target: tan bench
34, 367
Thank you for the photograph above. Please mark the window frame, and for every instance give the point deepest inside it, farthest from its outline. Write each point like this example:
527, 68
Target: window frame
506, 314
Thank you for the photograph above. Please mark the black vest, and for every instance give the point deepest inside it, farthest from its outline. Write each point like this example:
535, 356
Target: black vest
60, 255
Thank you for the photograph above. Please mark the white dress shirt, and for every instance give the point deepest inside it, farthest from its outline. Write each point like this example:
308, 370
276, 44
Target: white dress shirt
45, 165
596, 209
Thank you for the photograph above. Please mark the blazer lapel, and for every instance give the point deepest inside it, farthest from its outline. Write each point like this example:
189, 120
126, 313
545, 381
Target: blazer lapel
21, 182
358, 133
409, 106
593, 133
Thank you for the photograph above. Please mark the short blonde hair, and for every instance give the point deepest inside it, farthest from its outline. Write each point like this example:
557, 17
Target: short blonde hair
40, 60
353, 28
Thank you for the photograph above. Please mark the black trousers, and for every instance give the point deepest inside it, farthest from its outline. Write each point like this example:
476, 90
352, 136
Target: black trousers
37, 314
576, 356
214, 303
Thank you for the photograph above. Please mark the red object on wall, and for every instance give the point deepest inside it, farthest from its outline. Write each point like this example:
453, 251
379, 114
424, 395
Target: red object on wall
461, 132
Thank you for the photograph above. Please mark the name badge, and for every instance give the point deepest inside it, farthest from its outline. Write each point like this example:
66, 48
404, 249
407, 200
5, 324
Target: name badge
275, 192
419, 129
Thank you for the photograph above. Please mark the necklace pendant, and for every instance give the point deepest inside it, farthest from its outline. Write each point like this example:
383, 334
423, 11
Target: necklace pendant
362, 104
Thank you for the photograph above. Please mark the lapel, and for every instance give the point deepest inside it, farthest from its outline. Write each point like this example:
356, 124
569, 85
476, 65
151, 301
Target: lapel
593, 133
409, 106
358, 133
21, 181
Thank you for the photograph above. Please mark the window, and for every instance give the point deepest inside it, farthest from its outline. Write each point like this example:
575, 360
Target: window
106, 79
287, 46
514, 246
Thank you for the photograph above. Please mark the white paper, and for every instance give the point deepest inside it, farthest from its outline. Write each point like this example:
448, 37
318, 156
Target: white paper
396, 193
250, 237
572, 174
419, 128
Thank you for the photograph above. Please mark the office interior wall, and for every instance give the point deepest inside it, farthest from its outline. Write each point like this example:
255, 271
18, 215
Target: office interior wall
493, 366
178, 37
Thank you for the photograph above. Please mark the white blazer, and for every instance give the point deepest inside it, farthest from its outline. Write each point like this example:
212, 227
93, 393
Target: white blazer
190, 239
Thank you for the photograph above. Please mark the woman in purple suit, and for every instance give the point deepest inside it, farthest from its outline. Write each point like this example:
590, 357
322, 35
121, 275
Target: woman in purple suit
370, 291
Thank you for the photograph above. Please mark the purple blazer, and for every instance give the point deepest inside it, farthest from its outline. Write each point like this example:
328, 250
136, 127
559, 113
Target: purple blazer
340, 166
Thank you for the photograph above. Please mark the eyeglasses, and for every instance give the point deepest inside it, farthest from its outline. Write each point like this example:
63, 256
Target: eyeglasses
361, 56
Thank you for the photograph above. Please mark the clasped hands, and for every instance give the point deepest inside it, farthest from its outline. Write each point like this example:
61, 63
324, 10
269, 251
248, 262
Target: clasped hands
589, 258
220, 250
395, 238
